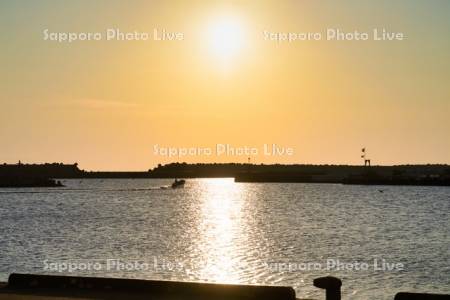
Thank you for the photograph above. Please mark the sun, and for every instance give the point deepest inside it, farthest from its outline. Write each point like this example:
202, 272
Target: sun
226, 38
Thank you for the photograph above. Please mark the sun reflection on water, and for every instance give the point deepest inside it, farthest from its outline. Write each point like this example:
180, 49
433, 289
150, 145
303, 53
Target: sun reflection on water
221, 227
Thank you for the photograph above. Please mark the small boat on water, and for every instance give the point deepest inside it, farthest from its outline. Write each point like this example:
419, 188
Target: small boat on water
178, 183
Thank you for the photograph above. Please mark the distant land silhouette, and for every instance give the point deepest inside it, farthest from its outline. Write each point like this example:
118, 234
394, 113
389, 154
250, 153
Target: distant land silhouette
436, 174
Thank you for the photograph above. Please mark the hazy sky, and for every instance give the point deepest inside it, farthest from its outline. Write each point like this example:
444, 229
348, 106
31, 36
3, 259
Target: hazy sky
105, 104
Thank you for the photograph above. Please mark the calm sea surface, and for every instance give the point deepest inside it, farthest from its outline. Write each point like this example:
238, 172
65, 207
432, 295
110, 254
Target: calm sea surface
216, 230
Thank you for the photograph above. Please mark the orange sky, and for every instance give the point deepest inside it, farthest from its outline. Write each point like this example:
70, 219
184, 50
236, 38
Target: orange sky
106, 104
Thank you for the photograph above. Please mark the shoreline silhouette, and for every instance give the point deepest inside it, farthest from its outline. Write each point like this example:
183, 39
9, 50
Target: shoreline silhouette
36, 175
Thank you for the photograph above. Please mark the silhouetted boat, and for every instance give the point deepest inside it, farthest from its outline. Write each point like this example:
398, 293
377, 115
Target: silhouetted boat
178, 183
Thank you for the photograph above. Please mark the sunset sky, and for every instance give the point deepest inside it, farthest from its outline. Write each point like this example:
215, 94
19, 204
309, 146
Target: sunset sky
105, 104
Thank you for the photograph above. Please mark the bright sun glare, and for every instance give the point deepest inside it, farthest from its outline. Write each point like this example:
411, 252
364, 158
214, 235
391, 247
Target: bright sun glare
226, 38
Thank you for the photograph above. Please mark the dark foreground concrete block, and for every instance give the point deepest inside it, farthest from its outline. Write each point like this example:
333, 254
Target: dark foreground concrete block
416, 296
135, 288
